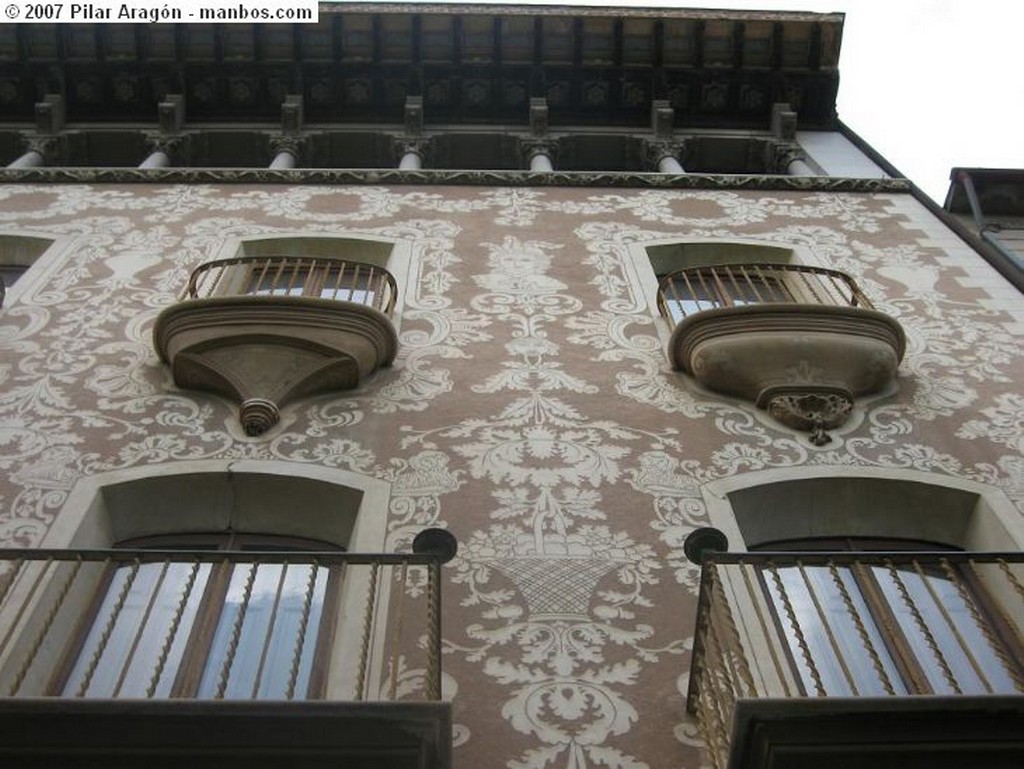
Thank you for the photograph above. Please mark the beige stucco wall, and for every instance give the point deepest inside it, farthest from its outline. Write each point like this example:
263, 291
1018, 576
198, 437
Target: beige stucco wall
531, 410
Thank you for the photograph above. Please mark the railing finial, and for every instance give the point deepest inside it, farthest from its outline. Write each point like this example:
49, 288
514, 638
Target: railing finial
700, 542
435, 541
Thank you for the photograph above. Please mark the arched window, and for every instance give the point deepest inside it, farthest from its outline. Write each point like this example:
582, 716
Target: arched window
17, 254
208, 616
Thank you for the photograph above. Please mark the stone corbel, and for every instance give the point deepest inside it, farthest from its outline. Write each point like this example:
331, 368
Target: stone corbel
292, 144
787, 158
176, 147
659, 150
533, 148
411, 152
46, 146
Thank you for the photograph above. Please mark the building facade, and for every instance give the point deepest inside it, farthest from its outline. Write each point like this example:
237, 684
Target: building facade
599, 294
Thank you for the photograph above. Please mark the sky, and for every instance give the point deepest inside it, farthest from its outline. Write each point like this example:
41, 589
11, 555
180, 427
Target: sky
930, 84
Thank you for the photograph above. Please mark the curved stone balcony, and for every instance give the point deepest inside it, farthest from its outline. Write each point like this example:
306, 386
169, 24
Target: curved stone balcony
269, 329
801, 342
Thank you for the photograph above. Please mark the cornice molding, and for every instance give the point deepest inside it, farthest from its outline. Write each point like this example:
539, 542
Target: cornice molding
514, 178
513, 9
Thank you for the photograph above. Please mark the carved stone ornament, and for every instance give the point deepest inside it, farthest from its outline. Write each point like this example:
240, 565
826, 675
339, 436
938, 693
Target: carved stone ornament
815, 409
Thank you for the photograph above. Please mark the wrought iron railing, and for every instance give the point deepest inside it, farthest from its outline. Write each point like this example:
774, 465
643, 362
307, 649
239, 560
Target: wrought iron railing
687, 292
220, 625
319, 277
820, 625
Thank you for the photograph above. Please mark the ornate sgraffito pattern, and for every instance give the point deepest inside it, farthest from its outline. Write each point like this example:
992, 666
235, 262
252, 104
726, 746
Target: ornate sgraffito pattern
532, 410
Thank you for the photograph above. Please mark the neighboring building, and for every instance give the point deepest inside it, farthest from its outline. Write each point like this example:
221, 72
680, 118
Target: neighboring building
595, 291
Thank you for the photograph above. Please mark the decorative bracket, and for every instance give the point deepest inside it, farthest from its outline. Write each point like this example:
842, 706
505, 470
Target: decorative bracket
538, 147
814, 408
657, 150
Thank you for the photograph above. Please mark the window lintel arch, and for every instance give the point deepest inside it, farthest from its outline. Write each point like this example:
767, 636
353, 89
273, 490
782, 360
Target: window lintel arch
805, 502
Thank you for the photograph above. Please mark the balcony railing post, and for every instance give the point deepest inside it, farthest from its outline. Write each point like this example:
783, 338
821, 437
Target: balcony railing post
364, 647
433, 671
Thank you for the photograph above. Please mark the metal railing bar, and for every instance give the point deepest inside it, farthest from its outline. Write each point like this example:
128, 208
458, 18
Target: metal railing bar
1005, 660
836, 650
878, 557
754, 595
923, 627
271, 624
729, 284
396, 636
172, 630
300, 639
108, 629
433, 671
160, 618
236, 632
294, 272
861, 628
364, 646
28, 600
964, 646
797, 631
143, 624
44, 630
325, 557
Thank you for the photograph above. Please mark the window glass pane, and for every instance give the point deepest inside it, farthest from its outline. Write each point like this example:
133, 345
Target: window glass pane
951, 643
122, 651
257, 638
829, 628
9, 273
